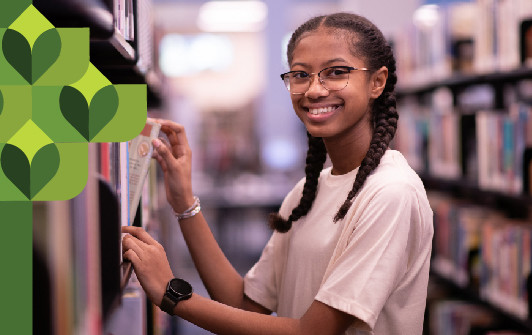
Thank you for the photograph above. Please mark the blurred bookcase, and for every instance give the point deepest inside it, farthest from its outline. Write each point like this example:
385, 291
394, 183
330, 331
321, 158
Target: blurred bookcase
81, 285
465, 104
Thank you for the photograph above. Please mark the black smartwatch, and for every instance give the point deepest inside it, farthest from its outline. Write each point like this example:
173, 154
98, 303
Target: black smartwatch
176, 290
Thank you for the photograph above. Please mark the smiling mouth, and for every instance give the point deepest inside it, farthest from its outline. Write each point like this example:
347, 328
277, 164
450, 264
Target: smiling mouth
317, 111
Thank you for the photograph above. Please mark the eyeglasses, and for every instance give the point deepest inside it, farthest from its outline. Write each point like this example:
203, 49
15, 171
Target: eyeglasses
333, 78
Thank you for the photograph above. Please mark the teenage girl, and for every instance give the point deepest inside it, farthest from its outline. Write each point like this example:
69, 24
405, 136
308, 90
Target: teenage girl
352, 242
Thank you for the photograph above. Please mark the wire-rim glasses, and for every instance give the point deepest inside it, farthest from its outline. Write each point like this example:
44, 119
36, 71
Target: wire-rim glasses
332, 78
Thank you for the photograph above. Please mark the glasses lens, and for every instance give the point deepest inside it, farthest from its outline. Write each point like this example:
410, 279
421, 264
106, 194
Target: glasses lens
334, 78
297, 82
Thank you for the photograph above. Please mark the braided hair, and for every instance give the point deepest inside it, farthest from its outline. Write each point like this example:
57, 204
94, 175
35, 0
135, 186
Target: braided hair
369, 44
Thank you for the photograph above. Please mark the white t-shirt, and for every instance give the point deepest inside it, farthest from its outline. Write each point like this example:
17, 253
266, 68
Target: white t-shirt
373, 264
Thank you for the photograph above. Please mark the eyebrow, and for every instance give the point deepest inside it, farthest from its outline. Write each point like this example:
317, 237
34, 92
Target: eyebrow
327, 63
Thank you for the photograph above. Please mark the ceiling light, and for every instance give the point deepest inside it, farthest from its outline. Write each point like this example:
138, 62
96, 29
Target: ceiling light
232, 16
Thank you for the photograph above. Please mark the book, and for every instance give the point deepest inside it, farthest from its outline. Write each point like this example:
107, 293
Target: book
140, 154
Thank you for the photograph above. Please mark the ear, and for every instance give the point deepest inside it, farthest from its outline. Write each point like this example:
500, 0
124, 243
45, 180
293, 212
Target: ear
378, 82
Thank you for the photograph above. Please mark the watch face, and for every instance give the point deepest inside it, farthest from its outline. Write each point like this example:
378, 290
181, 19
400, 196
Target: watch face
179, 289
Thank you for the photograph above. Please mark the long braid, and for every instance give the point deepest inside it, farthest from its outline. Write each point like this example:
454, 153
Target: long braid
316, 156
369, 44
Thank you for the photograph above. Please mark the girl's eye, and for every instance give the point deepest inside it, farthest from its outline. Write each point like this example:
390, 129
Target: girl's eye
336, 72
299, 75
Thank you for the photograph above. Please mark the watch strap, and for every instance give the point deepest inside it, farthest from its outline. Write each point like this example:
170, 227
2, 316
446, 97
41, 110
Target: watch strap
167, 305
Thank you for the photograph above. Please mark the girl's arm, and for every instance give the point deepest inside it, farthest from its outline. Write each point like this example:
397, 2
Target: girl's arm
153, 271
222, 281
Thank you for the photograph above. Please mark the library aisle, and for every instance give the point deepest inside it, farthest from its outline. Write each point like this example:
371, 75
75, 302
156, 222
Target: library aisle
465, 102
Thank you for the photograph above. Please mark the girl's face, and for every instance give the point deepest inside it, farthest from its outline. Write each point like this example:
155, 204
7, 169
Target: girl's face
343, 114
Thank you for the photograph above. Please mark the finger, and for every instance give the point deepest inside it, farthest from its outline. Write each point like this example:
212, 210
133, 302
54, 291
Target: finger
132, 257
175, 132
164, 155
165, 141
139, 233
131, 243
160, 160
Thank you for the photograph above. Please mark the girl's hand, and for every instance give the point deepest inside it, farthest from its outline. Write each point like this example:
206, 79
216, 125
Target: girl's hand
149, 262
175, 159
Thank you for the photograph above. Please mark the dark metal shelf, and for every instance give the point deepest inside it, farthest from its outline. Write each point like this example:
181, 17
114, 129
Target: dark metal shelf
463, 80
513, 205
95, 14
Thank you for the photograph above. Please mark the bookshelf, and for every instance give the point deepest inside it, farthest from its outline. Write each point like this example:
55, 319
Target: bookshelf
77, 243
465, 103
121, 32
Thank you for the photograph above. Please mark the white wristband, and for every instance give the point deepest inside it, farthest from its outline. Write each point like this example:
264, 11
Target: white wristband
190, 212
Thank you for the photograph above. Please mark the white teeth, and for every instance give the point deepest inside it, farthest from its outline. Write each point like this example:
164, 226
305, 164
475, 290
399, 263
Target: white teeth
316, 111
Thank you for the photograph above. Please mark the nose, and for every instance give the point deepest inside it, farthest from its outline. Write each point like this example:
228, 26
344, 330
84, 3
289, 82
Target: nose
316, 89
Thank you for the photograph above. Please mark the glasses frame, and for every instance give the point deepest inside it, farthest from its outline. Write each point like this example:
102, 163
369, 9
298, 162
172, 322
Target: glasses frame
349, 68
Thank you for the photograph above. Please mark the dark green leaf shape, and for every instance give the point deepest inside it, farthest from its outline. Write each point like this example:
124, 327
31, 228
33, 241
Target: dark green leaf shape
16, 167
31, 65
89, 121
75, 109
45, 52
17, 52
1, 102
103, 108
44, 166
30, 179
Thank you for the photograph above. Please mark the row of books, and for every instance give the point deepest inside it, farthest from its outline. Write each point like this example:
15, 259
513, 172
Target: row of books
478, 248
459, 317
124, 13
501, 142
450, 39
491, 148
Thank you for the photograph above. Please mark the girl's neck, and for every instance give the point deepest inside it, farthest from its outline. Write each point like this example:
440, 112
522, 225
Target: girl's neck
346, 154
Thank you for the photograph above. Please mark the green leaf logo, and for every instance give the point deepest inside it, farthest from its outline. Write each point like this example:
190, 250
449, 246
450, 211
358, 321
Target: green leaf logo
31, 64
89, 121
30, 179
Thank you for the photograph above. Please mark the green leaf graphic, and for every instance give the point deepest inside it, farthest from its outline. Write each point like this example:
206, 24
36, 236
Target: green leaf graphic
103, 108
88, 121
17, 52
43, 168
75, 109
30, 179
16, 168
45, 52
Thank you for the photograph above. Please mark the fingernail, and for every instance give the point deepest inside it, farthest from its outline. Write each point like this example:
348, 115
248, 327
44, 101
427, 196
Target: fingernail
156, 143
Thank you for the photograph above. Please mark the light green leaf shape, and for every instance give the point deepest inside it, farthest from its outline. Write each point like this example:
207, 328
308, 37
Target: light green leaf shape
45, 52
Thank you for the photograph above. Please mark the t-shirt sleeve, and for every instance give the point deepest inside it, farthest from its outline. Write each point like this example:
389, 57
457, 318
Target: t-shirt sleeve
376, 256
